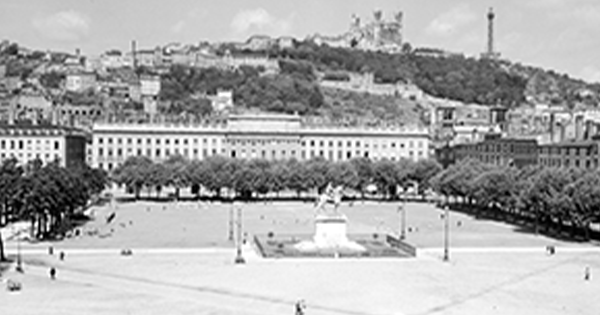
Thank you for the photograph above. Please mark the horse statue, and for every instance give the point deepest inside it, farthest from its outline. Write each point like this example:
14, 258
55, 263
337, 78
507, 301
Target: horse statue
330, 194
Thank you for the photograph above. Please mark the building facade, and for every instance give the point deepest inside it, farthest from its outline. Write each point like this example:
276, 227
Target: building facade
493, 150
46, 143
253, 136
80, 81
577, 154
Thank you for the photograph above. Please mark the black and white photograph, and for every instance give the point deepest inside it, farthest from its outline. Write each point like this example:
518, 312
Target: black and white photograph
315, 157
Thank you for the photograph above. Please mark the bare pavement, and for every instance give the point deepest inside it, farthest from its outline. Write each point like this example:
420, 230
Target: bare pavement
494, 279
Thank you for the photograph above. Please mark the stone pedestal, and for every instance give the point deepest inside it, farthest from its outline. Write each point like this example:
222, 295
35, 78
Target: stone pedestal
330, 236
330, 230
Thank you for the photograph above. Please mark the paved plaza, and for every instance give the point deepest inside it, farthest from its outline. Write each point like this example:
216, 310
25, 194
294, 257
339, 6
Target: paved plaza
182, 263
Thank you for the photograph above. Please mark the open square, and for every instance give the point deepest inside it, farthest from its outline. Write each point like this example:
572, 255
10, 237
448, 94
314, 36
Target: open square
182, 262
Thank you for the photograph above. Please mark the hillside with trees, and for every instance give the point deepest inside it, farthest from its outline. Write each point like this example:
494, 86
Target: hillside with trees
456, 77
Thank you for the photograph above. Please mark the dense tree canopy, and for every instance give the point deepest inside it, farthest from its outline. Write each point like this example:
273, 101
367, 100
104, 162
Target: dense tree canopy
550, 197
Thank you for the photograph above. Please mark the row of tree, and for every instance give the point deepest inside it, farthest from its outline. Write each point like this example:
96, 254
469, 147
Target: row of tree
46, 195
551, 198
256, 177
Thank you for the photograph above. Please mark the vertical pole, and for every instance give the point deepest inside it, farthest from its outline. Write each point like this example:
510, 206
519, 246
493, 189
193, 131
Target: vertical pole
19, 261
402, 209
231, 226
446, 233
239, 259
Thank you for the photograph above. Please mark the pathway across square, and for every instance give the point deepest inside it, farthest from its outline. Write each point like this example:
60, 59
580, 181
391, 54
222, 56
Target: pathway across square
182, 263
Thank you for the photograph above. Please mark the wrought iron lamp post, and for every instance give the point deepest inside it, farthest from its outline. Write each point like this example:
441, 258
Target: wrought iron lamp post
446, 233
239, 259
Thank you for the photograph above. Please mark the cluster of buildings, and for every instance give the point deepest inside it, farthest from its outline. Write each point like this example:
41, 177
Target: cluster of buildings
539, 135
376, 35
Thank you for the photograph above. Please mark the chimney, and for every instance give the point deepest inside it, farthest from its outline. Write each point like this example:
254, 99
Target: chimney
578, 127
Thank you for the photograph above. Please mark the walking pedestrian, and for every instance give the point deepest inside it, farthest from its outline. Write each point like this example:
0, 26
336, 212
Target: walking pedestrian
300, 307
587, 276
61, 256
52, 273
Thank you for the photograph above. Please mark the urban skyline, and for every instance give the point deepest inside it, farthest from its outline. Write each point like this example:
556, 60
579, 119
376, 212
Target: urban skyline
554, 34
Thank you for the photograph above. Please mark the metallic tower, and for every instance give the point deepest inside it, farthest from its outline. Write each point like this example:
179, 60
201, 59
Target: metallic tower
490, 44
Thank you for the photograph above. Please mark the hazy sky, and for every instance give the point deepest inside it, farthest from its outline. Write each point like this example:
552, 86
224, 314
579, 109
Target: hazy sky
559, 34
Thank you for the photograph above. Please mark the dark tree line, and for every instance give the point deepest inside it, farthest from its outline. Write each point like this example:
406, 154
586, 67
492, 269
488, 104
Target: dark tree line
46, 195
291, 91
549, 198
257, 177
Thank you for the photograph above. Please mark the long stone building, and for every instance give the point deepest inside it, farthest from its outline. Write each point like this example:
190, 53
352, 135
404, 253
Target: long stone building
253, 136
46, 143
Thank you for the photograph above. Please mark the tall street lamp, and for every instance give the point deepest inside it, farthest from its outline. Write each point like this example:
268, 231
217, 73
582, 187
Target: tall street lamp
402, 213
446, 233
19, 267
239, 259
231, 222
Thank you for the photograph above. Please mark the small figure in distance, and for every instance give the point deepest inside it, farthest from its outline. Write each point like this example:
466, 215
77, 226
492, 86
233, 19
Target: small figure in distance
300, 306
587, 275
52, 273
61, 256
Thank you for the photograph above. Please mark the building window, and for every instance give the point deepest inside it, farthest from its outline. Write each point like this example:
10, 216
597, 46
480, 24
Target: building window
56, 145
110, 140
349, 144
128, 140
119, 152
176, 141
100, 152
119, 141
157, 152
348, 155
139, 140
157, 141
2, 144
139, 152
312, 143
148, 141
167, 142
100, 140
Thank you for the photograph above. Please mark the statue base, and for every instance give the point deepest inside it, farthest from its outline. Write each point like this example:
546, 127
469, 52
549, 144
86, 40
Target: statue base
330, 236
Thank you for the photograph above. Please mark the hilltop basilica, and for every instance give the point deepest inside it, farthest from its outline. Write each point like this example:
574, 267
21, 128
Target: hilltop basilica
377, 35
